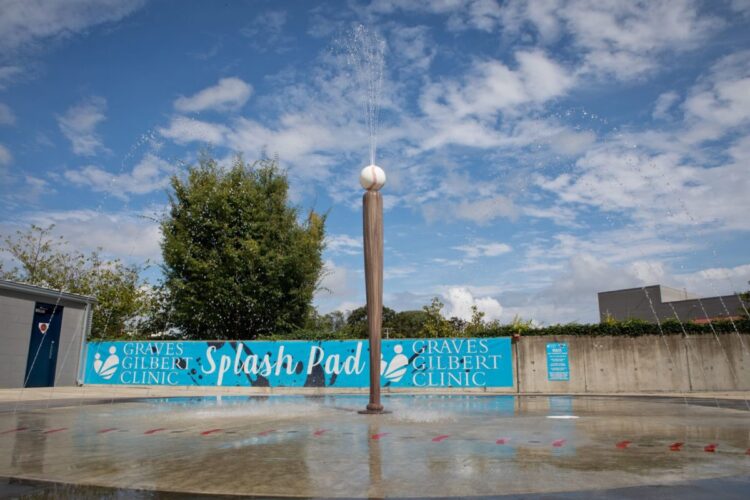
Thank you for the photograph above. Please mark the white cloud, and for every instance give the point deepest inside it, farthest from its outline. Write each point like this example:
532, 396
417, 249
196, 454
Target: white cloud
664, 104
615, 246
483, 15
459, 301
5, 156
35, 188
715, 280
657, 189
336, 291
465, 111
184, 130
6, 115
560, 215
150, 174
7, 73
79, 124
126, 235
620, 39
266, 32
306, 140
25, 22
481, 212
720, 102
491, 87
343, 243
483, 249
395, 272
230, 94
413, 44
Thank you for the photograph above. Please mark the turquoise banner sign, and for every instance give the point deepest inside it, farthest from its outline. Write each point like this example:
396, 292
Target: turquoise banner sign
404, 363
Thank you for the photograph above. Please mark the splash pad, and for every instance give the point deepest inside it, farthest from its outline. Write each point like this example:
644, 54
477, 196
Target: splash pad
430, 446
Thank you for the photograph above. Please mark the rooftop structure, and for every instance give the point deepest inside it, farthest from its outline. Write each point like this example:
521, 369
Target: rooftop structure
657, 301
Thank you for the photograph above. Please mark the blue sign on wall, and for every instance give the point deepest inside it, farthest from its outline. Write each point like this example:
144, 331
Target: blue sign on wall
344, 363
558, 367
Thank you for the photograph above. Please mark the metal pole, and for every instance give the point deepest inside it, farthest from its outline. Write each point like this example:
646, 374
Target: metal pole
372, 179
373, 234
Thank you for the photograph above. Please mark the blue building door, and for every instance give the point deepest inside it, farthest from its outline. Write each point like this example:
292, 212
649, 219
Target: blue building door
43, 346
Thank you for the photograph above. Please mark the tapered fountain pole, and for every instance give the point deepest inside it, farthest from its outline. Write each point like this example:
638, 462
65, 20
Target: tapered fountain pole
372, 179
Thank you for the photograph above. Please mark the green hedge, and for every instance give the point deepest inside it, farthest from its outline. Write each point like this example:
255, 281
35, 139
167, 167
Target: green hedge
629, 329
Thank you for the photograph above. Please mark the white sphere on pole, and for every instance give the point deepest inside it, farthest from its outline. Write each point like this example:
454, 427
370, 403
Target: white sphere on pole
372, 178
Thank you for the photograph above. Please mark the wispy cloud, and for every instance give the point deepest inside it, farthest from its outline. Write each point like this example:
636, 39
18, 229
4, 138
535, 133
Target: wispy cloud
25, 23
229, 94
150, 174
5, 156
476, 250
185, 130
6, 115
79, 124
8, 74
618, 39
343, 243
131, 235
483, 15
266, 32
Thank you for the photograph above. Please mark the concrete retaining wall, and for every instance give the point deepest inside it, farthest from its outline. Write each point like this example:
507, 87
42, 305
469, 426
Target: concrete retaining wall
656, 363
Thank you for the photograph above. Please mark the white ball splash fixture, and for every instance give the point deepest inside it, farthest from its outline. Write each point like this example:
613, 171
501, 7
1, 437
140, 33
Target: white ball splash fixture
372, 178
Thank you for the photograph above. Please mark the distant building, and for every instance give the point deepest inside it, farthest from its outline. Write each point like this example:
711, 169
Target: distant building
42, 332
648, 302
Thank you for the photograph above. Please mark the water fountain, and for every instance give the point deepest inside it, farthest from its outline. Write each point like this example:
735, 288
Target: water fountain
366, 52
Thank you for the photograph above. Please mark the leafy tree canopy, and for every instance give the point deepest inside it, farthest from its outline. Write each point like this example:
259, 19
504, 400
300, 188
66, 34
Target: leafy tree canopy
47, 261
238, 261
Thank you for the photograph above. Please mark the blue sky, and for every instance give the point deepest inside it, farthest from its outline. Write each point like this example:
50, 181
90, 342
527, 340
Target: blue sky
536, 152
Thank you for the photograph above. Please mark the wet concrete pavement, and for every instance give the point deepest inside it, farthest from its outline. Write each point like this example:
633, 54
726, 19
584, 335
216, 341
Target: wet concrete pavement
430, 446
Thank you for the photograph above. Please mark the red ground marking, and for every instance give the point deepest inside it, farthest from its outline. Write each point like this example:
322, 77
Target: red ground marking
210, 431
558, 443
104, 431
441, 437
154, 431
320, 432
676, 446
17, 429
623, 444
710, 448
747, 452
502, 441
266, 432
378, 436
52, 431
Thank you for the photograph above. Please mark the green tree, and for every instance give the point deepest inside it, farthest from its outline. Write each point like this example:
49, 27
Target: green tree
356, 321
436, 325
238, 261
47, 261
408, 324
331, 322
477, 324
